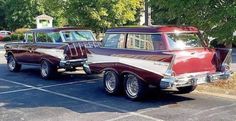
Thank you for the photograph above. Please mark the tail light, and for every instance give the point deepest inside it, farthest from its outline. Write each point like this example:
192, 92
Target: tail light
225, 68
169, 73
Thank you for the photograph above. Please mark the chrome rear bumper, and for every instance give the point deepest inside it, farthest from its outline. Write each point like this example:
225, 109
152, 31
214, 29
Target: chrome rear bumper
170, 82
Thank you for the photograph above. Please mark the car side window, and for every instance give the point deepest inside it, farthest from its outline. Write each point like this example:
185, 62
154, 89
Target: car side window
145, 42
55, 36
43, 37
29, 37
114, 40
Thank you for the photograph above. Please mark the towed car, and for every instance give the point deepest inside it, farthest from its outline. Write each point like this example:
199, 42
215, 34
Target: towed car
133, 58
51, 49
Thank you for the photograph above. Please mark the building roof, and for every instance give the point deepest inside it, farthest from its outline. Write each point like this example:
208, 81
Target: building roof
44, 16
154, 29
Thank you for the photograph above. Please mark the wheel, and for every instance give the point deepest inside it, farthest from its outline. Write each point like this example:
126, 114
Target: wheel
47, 70
12, 64
188, 89
111, 82
135, 88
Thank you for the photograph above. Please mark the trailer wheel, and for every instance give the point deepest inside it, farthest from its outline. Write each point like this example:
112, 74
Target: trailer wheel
112, 83
135, 88
12, 64
188, 89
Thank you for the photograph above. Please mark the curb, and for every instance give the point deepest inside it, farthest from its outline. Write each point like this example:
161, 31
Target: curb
216, 94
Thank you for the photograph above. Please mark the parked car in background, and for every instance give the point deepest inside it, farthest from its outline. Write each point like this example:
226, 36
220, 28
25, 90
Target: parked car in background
51, 49
1, 37
4, 34
133, 58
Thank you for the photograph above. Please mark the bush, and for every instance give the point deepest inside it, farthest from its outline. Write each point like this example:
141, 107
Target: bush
14, 37
21, 30
21, 36
6, 39
17, 37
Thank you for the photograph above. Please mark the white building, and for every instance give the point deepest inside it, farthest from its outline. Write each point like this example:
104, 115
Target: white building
44, 21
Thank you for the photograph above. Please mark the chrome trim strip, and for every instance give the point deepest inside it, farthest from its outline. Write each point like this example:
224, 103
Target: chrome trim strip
149, 32
172, 62
76, 52
74, 60
228, 57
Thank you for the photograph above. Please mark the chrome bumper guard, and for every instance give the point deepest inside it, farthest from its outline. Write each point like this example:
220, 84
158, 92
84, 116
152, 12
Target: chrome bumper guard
170, 82
72, 63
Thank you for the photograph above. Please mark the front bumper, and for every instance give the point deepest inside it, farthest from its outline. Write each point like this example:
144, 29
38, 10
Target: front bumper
192, 80
72, 63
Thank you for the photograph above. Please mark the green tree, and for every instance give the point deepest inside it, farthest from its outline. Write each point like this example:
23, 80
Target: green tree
22, 13
99, 15
2, 14
54, 8
215, 17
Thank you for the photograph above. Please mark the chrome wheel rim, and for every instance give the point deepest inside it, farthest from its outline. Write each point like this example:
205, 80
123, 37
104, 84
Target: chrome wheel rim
44, 69
132, 86
11, 63
110, 81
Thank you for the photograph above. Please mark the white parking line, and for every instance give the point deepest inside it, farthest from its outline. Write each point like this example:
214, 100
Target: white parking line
215, 94
214, 108
54, 85
84, 100
125, 116
74, 82
14, 91
119, 117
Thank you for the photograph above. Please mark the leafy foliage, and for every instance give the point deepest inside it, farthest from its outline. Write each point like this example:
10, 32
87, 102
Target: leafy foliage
2, 14
215, 17
22, 13
101, 14
95, 14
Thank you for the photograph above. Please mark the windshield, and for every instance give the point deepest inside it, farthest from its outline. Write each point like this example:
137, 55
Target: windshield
184, 40
71, 36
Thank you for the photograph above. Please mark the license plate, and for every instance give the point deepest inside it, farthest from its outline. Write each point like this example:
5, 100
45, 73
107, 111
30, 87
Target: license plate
201, 80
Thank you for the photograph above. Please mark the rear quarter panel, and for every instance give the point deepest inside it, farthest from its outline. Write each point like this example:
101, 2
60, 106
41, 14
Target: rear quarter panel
149, 66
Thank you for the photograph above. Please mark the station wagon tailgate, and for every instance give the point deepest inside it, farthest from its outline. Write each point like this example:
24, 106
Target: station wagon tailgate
199, 60
77, 50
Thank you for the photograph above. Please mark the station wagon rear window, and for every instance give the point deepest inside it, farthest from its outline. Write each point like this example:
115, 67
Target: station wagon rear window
145, 42
72, 36
114, 40
183, 40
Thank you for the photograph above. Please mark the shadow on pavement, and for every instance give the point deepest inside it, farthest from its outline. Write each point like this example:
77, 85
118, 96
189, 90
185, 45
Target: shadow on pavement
89, 91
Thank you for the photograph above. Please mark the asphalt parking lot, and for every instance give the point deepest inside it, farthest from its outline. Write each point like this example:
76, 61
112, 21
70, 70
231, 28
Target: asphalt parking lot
24, 96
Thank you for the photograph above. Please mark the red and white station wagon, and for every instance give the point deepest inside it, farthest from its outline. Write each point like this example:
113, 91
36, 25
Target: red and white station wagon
133, 58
